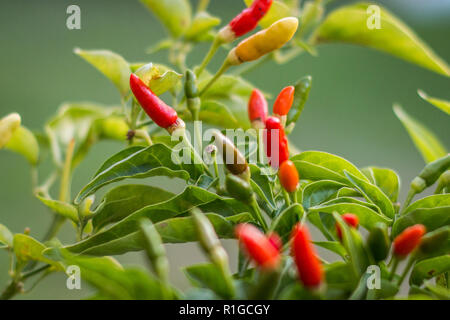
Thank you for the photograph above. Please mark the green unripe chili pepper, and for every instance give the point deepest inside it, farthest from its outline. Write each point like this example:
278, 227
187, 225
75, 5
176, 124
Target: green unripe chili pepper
443, 183
378, 242
302, 89
239, 188
208, 239
155, 250
430, 174
190, 86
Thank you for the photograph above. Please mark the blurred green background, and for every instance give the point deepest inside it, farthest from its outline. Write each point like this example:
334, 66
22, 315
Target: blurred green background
349, 112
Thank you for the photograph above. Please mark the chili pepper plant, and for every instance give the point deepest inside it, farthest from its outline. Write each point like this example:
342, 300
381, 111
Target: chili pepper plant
260, 190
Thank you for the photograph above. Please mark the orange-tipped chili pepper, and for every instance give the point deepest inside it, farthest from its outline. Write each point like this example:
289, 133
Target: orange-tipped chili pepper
277, 150
257, 109
258, 247
246, 21
351, 219
408, 240
284, 101
308, 265
163, 115
275, 240
288, 175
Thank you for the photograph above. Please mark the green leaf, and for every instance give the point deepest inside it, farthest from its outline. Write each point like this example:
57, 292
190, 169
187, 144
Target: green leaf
203, 23
373, 194
386, 179
25, 143
175, 15
155, 160
123, 154
431, 218
328, 161
123, 200
28, 249
262, 185
192, 196
354, 245
438, 291
426, 142
112, 65
123, 237
439, 103
351, 200
339, 275
286, 220
62, 208
165, 82
6, 237
333, 246
277, 11
209, 276
429, 268
74, 121
318, 192
349, 24
110, 278
217, 114
367, 217
430, 202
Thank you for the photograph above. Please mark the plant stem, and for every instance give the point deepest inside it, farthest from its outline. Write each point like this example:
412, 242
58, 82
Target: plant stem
64, 190
294, 196
254, 205
202, 5
34, 272
408, 200
405, 272
197, 158
212, 51
287, 199
225, 66
252, 66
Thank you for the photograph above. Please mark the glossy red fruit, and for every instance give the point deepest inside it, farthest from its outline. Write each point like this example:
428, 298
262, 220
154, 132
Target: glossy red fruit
257, 109
277, 150
248, 19
288, 175
257, 246
163, 115
351, 219
284, 101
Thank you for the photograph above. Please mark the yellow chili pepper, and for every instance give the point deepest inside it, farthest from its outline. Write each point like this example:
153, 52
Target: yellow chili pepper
264, 41
8, 125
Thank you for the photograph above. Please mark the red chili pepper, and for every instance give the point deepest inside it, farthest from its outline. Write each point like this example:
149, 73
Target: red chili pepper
284, 101
163, 115
248, 19
275, 240
351, 219
288, 175
257, 109
308, 265
408, 240
280, 152
258, 246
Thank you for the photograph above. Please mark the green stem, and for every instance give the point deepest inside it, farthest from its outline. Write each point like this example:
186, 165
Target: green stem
294, 196
64, 190
254, 205
408, 200
34, 272
287, 199
252, 66
202, 5
395, 263
405, 272
225, 66
212, 51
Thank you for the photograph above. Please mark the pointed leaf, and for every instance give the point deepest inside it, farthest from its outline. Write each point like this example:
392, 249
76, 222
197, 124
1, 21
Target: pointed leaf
112, 65
429, 268
386, 179
439, 103
431, 218
62, 208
